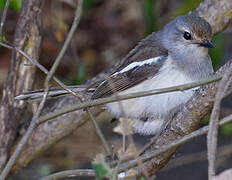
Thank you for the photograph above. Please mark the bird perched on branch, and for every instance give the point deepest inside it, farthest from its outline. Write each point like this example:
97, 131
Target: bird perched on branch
175, 55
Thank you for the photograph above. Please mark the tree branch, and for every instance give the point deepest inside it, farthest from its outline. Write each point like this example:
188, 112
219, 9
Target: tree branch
20, 77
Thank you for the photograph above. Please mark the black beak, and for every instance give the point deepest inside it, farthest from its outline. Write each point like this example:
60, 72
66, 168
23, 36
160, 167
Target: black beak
206, 43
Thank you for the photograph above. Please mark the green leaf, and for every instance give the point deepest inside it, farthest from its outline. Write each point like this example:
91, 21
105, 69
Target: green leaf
100, 170
14, 4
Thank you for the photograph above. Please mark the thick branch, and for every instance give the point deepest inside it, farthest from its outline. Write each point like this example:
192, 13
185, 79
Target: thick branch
20, 77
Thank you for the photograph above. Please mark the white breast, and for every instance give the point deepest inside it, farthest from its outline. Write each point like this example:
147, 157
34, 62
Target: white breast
155, 105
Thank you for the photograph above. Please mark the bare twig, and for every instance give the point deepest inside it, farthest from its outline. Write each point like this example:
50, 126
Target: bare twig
35, 118
101, 101
70, 173
4, 16
99, 133
213, 125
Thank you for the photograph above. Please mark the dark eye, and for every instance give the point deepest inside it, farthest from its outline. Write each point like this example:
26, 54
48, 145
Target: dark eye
187, 35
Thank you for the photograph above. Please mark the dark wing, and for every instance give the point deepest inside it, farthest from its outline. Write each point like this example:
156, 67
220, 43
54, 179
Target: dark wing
125, 77
146, 49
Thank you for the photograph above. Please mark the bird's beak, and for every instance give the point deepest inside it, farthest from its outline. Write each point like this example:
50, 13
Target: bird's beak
206, 43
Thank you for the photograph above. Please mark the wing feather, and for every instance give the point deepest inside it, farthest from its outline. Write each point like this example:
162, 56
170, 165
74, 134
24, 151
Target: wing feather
142, 62
128, 79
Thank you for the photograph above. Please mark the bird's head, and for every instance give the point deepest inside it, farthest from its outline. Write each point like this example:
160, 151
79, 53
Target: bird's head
188, 35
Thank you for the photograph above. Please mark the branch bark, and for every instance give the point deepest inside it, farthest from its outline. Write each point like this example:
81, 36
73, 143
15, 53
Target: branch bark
184, 121
20, 77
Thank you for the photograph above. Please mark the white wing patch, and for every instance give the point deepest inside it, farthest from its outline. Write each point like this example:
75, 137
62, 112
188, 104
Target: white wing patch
140, 63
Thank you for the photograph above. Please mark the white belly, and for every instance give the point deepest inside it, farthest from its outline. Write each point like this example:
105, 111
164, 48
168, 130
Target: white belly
155, 105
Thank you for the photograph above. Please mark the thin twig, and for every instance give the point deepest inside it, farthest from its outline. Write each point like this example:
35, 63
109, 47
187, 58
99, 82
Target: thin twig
99, 132
213, 124
4, 16
71, 174
35, 118
101, 101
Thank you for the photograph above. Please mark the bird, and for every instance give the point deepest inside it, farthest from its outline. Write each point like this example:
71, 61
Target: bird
175, 55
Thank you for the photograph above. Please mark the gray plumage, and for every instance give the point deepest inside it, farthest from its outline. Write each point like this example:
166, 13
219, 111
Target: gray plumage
175, 55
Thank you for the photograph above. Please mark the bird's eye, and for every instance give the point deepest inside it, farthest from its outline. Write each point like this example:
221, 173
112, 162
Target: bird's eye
187, 35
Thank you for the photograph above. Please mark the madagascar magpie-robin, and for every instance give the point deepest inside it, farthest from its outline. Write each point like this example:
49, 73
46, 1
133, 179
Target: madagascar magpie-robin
175, 55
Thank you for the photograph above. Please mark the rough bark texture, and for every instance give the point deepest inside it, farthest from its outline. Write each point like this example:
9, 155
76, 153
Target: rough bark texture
20, 76
184, 122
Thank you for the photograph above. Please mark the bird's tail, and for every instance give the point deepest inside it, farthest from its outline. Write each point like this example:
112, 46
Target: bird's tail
53, 92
